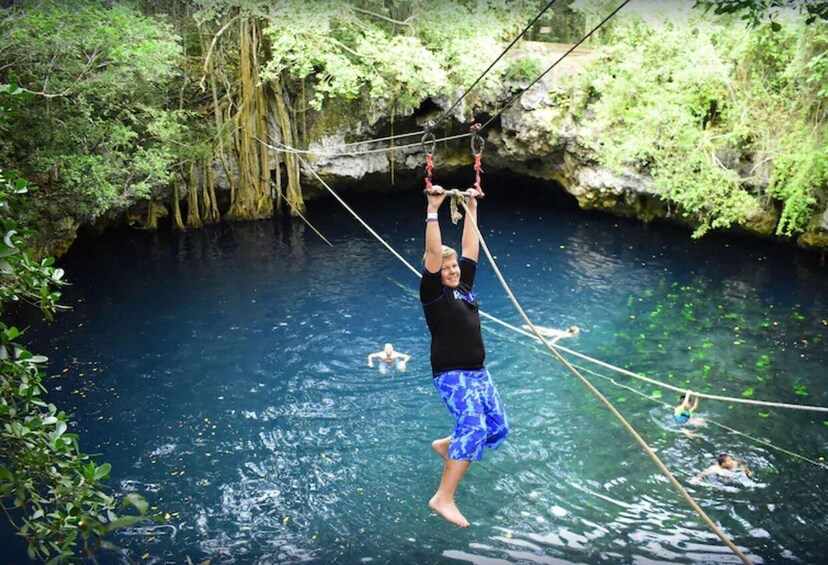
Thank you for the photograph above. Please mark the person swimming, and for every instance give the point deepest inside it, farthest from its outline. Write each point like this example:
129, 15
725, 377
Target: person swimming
726, 466
555, 334
683, 413
388, 358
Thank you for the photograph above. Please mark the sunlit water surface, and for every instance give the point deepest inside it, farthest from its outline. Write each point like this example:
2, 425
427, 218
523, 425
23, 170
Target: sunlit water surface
223, 373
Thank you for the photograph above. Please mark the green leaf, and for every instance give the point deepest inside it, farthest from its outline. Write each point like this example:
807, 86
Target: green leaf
136, 500
124, 522
7, 239
102, 472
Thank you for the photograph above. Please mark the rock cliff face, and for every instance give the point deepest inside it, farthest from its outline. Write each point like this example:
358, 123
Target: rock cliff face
537, 138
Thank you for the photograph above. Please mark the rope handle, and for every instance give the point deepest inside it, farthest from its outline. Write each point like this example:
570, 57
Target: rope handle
453, 193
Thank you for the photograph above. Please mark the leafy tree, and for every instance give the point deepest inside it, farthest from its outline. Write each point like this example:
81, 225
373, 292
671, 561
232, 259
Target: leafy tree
754, 12
51, 492
100, 74
687, 103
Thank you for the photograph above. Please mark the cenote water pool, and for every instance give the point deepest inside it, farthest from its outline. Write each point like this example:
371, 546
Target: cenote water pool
223, 374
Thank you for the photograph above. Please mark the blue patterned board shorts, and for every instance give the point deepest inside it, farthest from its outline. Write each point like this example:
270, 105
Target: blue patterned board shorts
479, 416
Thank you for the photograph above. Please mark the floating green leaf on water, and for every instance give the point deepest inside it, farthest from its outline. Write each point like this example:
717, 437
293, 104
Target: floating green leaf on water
656, 394
798, 316
621, 399
763, 414
748, 392
800, 390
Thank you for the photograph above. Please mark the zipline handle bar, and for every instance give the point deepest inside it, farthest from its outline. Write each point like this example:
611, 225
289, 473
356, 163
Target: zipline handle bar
453, 192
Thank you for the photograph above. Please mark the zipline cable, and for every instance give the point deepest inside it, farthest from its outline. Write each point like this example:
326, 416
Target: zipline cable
283, 148
288, 149
603, 399
469, 89
553, 65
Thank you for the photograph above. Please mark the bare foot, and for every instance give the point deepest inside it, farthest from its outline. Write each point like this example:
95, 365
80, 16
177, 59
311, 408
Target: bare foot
441, 447
449, 511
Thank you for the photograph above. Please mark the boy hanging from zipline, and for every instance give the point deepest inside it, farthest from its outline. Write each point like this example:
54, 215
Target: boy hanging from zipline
458, 353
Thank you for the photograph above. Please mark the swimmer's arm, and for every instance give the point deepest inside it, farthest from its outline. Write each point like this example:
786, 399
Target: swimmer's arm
709, 471
746, 469
371, 358
404, 356
695, 405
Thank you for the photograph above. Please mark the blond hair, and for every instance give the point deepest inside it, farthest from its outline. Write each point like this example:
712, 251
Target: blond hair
447, 253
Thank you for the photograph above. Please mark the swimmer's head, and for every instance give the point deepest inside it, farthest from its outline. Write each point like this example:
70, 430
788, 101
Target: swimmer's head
726, 461
572, 330
389, 349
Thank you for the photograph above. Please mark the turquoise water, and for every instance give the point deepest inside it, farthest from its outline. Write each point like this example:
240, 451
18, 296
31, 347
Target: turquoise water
223, 373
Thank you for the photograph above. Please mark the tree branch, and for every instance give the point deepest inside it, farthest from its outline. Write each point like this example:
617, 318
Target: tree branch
407, 21
209, 55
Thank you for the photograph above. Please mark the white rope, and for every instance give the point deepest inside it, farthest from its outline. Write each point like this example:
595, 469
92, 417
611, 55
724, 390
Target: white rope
355, 215
639, 393
298, 213
663, 468
714, 422
765, 403
283, 148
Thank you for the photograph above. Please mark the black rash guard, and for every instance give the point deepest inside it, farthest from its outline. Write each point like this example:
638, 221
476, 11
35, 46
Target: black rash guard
453, 320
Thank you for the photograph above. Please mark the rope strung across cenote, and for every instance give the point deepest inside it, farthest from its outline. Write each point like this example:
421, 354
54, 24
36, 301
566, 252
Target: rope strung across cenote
298, 213
664, 404
598, 362
283, 148
715, 423
603, 399
640, 377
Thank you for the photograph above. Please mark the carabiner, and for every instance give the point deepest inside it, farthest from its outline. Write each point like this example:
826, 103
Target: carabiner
477, 143
428, 137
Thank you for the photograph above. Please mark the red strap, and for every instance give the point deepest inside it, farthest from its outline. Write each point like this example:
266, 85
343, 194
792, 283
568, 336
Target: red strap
477, 170
429, 169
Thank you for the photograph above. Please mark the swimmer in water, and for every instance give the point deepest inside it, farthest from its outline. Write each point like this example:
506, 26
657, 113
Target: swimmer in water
571, 331
388, 357
684, 412
726, 466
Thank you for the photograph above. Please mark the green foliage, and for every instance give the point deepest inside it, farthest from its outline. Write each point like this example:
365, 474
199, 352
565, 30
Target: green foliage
50, 491
755, 11
686, 103
99, 74
347, 54
522, 71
